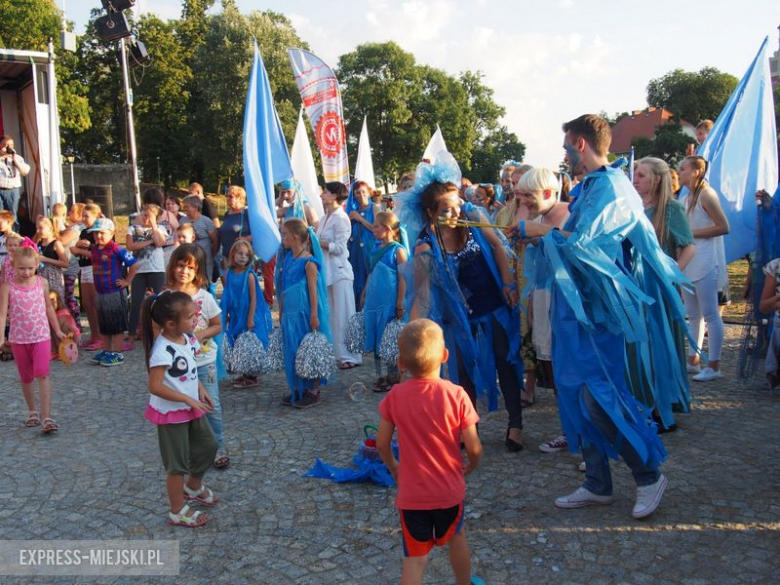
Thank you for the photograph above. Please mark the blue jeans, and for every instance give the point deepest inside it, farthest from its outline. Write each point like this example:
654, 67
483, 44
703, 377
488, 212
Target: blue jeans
207, 375
598, 478
9, 199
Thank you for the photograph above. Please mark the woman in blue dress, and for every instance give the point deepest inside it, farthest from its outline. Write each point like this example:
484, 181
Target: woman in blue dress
361, 211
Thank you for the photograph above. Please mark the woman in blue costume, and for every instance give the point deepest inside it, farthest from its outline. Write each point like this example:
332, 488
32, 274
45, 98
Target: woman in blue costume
303, 305
361, 212
380, 305
670, 390
462, 281
606, 268
242, 306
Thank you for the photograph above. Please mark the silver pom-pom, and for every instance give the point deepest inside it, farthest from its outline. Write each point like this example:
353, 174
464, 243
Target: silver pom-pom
314, 358
275, 355
388, 347
227, 354
248, 356
355, 335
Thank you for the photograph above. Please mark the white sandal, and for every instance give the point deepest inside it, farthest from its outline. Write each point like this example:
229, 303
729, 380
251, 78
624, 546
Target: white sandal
181, 519
197, 495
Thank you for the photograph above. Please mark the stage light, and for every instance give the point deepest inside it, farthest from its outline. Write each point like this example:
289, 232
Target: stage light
117, 5
138, 54
112, 27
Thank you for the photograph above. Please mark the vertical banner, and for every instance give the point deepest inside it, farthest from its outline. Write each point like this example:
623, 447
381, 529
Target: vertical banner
742, 152
303, 167
266, 160
435, 146
321, 97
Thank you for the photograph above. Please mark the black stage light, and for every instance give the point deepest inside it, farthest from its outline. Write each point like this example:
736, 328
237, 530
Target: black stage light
117, 5
138, 54
112, 27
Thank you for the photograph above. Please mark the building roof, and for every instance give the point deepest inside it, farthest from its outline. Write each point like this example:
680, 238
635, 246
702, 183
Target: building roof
639, 123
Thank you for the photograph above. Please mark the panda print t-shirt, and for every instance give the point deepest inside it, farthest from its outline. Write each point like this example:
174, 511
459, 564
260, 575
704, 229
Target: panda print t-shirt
181, 374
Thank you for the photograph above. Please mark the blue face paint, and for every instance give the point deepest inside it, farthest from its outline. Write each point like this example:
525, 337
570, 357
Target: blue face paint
574, 157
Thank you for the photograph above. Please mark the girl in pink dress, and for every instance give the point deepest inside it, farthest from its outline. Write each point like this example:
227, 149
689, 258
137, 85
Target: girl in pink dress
24, 301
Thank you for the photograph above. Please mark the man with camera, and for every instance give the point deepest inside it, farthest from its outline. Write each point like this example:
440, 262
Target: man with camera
12, 169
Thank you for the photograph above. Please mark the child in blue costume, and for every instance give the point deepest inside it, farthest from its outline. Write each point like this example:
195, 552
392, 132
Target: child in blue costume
605, 268
241, 310
463, 282
303, 305
380, 306
361, 212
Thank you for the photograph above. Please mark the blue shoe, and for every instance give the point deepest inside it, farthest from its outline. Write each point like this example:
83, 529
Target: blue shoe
98, 357
111, 359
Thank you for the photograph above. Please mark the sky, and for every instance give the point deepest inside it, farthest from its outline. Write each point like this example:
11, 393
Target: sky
547, 61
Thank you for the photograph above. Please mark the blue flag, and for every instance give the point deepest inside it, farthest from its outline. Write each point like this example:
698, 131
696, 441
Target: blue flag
266, 161
742, 151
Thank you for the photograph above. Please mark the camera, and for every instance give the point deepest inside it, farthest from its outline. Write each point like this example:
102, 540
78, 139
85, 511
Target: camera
9, 150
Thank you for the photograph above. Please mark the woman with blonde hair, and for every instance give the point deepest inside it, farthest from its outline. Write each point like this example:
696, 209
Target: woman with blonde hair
707, 270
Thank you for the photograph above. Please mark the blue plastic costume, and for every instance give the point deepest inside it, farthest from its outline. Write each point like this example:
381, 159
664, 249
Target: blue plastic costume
360, 245
235, 307
296, 210
296, 310
381, 291
607, 276
434, 285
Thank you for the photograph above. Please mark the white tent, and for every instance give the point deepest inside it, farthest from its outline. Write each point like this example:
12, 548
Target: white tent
28, 113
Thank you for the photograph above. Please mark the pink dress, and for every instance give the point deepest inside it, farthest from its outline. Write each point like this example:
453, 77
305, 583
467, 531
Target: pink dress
27, 313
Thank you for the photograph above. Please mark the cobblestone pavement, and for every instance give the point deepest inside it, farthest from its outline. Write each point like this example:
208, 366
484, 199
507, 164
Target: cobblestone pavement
101, 477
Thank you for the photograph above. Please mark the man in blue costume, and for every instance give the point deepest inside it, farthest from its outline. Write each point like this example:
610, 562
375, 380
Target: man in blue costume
601, 267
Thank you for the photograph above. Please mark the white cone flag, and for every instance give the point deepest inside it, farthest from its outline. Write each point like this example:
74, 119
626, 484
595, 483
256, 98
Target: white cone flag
435, 146
303, 167
364, 167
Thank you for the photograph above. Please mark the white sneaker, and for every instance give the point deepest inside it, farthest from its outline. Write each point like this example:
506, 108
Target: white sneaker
692, 369
648, 497
581, 498
557, 444
708, 374
583, 467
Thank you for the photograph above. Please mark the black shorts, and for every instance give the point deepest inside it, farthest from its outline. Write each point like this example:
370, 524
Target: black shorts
112, 311
422, 529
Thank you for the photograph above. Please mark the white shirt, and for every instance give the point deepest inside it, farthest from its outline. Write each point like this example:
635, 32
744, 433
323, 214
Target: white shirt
12, 169
207, 308
181, 371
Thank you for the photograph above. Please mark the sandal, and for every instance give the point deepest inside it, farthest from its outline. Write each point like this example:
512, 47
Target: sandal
49, 426
33, 419
197, 496
221, 461
348, 365
244, 383
194, 520
6, 356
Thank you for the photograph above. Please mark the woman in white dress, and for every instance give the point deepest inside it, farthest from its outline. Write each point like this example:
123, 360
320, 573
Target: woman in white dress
333, 232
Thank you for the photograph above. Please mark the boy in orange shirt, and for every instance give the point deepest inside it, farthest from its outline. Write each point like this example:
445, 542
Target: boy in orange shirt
432, 416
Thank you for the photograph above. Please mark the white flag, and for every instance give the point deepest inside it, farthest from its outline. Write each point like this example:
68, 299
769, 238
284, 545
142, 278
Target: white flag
303, 167
435, 146
364, 167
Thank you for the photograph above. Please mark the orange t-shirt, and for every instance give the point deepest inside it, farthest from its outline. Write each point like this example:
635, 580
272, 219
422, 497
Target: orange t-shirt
429, 415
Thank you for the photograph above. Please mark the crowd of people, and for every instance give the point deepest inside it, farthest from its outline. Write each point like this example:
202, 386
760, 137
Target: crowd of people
581, 284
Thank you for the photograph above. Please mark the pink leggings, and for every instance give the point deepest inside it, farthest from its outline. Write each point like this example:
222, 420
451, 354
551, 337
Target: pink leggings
32, 360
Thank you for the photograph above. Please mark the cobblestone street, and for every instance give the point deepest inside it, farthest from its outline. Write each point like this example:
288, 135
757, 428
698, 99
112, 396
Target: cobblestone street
101, 477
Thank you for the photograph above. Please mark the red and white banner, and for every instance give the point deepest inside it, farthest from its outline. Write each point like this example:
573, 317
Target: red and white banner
322, 99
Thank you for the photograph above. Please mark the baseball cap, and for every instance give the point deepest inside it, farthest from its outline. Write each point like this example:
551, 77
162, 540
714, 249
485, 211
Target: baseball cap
102, 224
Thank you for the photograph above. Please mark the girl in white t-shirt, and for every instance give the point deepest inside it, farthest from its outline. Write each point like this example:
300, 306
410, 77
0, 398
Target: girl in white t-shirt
177, 404
186, 273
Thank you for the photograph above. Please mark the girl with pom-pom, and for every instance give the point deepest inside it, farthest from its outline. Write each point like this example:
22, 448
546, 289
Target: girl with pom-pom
241, 310
380, 306
302, 305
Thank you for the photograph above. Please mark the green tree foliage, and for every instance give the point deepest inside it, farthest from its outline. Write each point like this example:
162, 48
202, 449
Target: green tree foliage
28, 25
669, 144
405, 101
692, 96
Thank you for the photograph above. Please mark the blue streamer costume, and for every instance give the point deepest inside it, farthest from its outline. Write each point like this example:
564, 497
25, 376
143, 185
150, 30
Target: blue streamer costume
607, 276
381, 291
235, 307
360, 245
296, 310
434, 282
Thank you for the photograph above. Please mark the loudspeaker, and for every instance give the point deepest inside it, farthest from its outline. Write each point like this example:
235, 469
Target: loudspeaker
138, 55
117, 5
112, 27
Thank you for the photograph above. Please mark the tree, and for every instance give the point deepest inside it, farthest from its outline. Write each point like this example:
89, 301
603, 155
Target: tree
493, 150
692, 96
669, 144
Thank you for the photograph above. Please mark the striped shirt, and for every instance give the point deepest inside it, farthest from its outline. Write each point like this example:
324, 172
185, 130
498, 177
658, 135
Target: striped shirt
107, 266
